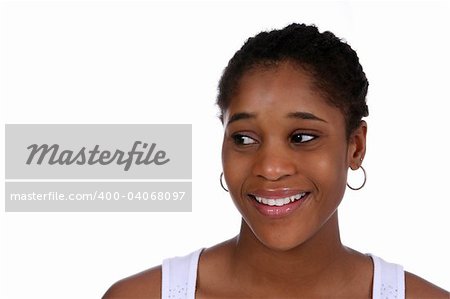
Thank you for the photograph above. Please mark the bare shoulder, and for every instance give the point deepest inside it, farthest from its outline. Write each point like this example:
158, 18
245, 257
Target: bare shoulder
146, 284
417, 287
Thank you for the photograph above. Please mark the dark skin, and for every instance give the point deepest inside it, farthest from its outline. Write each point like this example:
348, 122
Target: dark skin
281, 135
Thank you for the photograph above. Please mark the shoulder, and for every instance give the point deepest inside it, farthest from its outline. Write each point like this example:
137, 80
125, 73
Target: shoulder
146, 284
417, 287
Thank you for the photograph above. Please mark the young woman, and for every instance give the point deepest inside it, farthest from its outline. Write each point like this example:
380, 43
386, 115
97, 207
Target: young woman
292, 103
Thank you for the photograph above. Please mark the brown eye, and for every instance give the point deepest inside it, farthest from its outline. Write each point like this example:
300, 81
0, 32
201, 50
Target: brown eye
302, 138
240, 139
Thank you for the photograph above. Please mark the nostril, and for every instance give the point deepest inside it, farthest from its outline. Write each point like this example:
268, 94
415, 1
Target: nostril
274, 176
274, 168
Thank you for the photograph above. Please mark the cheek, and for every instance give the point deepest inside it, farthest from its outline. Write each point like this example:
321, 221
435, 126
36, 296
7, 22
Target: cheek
235, 169
236, 166
332, 168
330, 173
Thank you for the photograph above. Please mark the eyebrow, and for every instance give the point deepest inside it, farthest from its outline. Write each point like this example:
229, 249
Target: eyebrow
297, 115
305, 115
239, 116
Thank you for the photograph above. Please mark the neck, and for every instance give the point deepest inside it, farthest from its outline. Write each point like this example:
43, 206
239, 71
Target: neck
316, 258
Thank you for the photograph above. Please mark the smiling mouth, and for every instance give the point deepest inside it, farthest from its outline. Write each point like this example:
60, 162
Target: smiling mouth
279, 202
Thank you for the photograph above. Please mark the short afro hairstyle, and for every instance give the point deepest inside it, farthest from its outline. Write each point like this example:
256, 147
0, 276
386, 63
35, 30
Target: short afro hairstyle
332, 63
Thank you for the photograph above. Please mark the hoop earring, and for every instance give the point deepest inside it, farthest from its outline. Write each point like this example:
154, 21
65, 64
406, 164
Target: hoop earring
221, 184
365, 179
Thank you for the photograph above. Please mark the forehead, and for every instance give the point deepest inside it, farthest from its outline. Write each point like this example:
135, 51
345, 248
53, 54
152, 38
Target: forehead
280, 90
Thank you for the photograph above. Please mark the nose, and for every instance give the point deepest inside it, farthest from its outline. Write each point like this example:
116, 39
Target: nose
274, 162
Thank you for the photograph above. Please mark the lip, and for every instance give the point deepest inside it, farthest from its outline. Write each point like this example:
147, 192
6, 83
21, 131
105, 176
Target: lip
277, 211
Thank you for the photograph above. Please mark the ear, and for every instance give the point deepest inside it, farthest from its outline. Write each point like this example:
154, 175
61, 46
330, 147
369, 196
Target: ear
357, 146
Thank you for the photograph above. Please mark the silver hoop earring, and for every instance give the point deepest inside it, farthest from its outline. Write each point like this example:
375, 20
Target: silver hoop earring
365, 179
221, 184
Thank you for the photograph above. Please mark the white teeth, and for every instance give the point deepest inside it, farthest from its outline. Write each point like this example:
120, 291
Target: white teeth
279, 201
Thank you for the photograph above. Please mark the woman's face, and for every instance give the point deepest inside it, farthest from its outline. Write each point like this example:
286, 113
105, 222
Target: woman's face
285, 155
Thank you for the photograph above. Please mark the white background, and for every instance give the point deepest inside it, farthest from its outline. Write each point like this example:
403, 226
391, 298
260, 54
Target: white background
159, 62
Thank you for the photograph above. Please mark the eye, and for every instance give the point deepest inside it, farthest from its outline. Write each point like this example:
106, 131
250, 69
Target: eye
240, 139
301, 137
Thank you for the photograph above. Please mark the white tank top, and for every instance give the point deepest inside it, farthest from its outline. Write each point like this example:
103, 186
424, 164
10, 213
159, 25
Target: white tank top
179, 277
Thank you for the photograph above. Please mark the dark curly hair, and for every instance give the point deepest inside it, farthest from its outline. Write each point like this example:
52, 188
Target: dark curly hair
332, 63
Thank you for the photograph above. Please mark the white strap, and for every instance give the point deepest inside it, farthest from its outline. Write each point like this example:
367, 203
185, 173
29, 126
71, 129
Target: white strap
179, 276
388, 280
